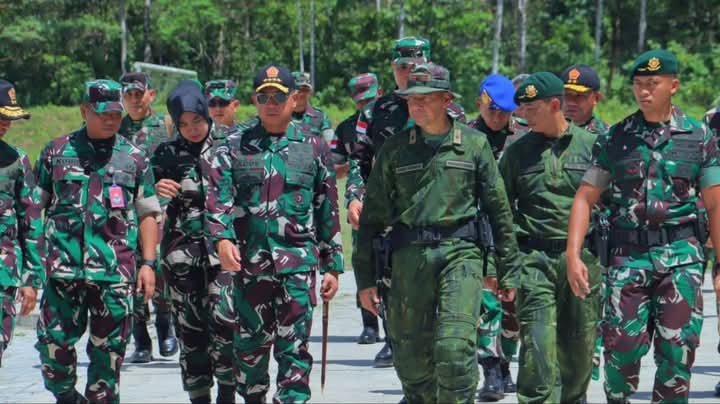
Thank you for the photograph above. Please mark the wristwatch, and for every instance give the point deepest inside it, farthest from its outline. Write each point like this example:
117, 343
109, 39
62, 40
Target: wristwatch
151, 263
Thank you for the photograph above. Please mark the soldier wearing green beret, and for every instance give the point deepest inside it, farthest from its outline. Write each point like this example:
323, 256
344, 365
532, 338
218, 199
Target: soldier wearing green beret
436, 183
656, 162
542, 170
313, 119
147, 129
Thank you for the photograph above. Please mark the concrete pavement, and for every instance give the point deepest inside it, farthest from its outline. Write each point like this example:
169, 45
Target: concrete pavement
350, 377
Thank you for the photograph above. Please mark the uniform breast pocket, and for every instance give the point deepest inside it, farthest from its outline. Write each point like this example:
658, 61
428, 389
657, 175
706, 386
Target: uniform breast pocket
7, 214
248, 183
575, 171
119, 190
682, 175
460, 175
298, 193
530, 178
67, 192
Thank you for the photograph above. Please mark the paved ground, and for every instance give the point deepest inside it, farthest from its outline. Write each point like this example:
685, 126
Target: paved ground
351, 377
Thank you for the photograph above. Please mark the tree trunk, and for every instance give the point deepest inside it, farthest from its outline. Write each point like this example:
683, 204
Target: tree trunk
377, 6
498, 36
401, 20
522, 29
147, 55
123, 34
250, 56
615, 38
300, 37
219, 67
312, 42
643, 25
598, 30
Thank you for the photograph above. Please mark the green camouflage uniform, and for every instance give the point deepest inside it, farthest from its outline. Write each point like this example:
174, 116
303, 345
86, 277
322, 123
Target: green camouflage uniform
147, 134
557, 329
201, 293
654, 173
284, 193
21, 235
92, 243
434, 183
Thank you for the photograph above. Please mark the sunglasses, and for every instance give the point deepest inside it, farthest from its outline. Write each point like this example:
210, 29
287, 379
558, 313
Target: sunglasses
278, 98
218, 102
410, 52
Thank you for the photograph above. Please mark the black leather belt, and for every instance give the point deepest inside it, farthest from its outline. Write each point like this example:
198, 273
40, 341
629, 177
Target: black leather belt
548, 245
403, 236
652, 237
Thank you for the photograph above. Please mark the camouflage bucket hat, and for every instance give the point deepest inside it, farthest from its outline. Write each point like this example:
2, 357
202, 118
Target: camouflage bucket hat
302, 79
428, 78
363, 87
103, 95
411, 50
225, 89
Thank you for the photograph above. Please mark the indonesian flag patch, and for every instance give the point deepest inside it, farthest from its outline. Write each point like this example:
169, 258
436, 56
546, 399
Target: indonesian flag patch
361, 127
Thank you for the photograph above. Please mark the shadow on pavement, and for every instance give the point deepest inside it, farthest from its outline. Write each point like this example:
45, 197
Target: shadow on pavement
335, 338
366, 363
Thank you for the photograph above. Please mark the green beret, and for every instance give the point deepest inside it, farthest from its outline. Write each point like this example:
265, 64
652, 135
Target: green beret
654, 63
539, 86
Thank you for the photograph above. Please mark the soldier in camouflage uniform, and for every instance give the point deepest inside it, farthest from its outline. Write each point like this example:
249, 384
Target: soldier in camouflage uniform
316, 120
223, 103
21, 236
280, 183
201, 293
582, 94
431, 182
364, 89
712, 120
499, 331
147, 129
655, 163
98, 193
378, 121
542, 170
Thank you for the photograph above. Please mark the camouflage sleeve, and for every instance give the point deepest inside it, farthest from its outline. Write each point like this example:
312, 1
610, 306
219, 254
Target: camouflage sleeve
375, 216
326, 130
495, 202
146, 202
220, 196
30, 227
361, 158
43, 175
327, 218
710, 170
599, 174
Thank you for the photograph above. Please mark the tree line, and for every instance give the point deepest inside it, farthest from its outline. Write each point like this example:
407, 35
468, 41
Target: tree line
49, 47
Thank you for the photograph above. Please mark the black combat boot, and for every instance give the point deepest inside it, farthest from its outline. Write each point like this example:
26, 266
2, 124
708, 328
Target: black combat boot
166, 334
370, 333
618, 400
508, 384
143, 343
71, 397
384, 358
256, 398
717, 390
493, 389
205, 399
226, 394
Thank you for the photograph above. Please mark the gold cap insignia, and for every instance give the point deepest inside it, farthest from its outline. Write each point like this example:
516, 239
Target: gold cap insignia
653, 64
11, 94
530, 91
485, 98
573, 75
272, 72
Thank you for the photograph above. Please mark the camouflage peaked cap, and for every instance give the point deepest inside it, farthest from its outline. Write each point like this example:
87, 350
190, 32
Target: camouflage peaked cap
428, 78
363, 87
411, 50
225, 89
103, 95
538, 86
136, 81
302, 79
654, 63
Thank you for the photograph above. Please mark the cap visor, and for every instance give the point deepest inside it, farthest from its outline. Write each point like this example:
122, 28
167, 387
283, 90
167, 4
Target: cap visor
409, 61
13, 113
425, 90
134, 86
273, 85
224, 96
108, 106
577, 88
365, 95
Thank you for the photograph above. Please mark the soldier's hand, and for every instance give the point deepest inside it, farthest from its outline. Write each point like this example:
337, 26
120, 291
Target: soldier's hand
369, 299
146, 282
329, 286
507, 295
229, 256
167, 188
490, 283
28, 297
577, 276
354, 209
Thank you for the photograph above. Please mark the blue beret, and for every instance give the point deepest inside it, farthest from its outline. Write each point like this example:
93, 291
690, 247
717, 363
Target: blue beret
498, 91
